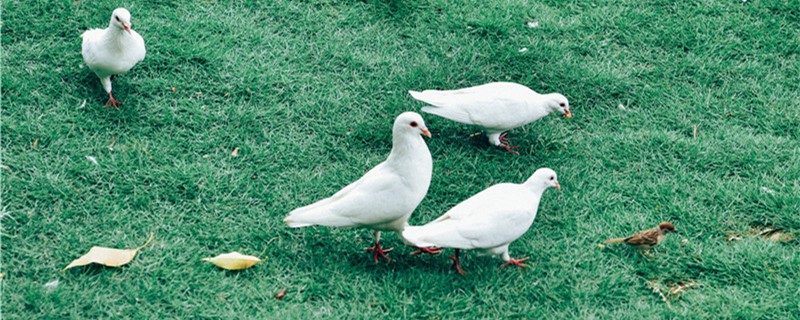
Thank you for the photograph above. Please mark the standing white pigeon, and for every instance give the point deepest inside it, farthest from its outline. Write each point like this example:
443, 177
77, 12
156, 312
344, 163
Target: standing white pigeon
384, 198
113, 50
489, 220
496, 107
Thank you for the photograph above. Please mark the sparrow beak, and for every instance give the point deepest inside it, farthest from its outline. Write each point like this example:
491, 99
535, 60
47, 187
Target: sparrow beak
558, 186
426, 132
567, 114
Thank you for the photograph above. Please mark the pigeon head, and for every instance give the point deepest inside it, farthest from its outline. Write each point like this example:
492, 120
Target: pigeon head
410, 122
559, 103
121, 18
544, 178
666, 227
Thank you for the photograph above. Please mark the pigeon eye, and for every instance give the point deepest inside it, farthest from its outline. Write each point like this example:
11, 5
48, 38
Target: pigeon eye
414, 124
115, 17
551, 178
562, 104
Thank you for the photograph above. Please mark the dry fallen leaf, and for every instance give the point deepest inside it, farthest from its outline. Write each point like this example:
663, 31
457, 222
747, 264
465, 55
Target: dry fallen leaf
776, 235
671, 292
235, 152
109, 257
281, 294
92, 160
233, 261
734, 238
52, 285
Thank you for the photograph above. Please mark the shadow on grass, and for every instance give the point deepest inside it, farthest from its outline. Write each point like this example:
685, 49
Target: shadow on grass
93, 270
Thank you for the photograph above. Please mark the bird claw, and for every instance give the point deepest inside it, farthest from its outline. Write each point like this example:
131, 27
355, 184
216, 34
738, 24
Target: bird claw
504, 143
457, 265
378, 252
430, 250
112, 102
516, 262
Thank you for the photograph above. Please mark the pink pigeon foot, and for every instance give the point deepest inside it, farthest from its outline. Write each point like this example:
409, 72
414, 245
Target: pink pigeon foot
457, 264
431, 250
377, 252
112, 102
504, 143
516, 262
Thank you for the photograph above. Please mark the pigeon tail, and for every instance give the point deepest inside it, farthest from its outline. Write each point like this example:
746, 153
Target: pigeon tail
295, 224
413, 235
316, 217
415, 94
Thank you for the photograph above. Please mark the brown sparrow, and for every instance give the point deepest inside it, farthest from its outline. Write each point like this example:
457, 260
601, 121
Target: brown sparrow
646, 239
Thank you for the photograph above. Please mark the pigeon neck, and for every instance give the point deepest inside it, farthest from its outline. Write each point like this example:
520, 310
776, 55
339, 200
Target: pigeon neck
538, 107
404, 145
550, 101
117, 37
535, 186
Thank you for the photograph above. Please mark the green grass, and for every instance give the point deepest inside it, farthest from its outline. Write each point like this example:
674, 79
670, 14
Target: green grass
308, 90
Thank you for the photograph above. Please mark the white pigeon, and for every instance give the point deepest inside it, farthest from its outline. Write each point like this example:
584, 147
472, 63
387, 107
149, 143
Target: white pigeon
384, 198
489, 220
496, 107
113, 50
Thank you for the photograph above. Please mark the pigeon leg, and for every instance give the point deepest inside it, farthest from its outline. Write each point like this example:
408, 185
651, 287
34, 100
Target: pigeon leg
457, 264
505, 144
112, 102
516, 262
377, 251
430, 250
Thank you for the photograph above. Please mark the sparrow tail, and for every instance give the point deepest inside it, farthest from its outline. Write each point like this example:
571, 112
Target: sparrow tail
615, 240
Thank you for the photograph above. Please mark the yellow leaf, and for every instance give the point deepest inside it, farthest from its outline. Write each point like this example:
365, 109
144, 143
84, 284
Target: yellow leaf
233, 261
109, 257
235, 152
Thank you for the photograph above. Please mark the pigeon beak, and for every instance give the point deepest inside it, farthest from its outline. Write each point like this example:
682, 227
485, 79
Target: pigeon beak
426, 132
567, 114
558, 186
126, 27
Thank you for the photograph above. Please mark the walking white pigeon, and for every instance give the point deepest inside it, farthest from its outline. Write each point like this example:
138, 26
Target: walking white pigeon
113, 50
489, 220
384, 198
496, 107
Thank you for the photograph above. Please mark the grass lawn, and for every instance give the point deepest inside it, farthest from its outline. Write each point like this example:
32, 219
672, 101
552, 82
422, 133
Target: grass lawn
684, 111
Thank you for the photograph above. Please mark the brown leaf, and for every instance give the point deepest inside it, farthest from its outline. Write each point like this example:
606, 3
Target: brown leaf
734, 238
281, 294
671, 292
780, 237
768, 231
776, 235
109, 257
